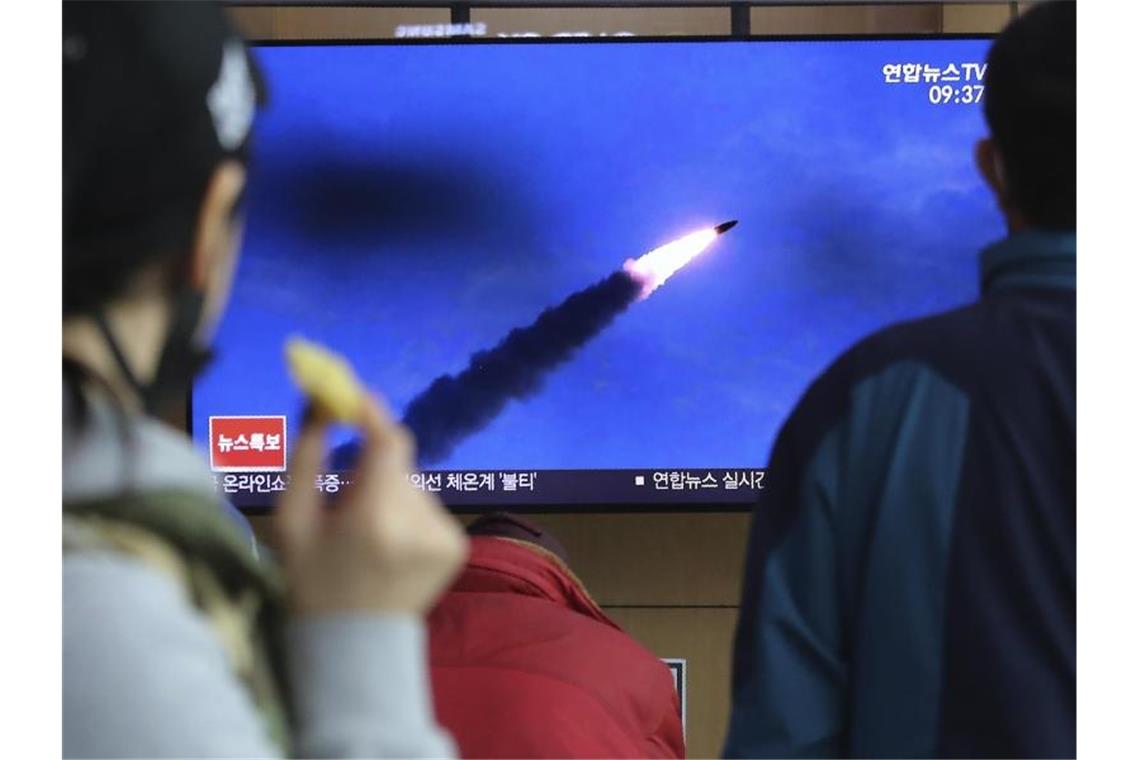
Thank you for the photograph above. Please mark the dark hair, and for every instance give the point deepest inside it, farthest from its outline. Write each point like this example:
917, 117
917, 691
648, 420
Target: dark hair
507, 525
1031, 109
140, 143
155, 98
99, 267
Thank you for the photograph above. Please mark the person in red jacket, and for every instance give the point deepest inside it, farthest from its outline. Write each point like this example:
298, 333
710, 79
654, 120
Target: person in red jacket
525, 664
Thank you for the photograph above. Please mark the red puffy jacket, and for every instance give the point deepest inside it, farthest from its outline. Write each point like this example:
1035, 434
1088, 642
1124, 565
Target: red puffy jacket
525, 664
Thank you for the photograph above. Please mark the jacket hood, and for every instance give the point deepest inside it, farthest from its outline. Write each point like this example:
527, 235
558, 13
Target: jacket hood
117, 452
507, 566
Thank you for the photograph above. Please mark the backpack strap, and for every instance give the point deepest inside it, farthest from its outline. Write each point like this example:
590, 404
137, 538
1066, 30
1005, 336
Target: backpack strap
95, 534
187, 538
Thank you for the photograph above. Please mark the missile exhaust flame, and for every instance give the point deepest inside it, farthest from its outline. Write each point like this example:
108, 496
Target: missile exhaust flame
657, 266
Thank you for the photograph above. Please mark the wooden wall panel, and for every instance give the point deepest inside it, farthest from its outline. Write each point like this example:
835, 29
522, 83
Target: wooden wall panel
263, 528
704, 638
316, 23
971, 18
847, 19
641, 21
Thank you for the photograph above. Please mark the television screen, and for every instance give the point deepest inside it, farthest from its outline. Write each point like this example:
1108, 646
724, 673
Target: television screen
526, 248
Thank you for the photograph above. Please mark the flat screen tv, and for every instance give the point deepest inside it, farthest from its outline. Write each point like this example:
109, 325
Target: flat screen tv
516, 243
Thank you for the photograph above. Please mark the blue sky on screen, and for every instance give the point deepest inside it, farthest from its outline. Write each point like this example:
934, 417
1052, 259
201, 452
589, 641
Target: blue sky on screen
411, 204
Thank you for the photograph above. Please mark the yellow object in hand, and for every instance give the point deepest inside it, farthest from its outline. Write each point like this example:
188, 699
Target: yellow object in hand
326, 378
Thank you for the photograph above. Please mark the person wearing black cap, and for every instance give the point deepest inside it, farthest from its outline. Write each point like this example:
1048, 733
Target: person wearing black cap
176, 640
910, 586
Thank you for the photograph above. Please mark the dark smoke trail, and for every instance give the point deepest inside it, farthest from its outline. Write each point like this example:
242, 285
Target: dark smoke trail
456, 406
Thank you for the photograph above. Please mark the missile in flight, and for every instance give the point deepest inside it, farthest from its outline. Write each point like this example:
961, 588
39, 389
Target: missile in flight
455, 407
657, 266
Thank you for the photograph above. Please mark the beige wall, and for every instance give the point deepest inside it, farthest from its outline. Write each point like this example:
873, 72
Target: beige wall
672, 580
331, 22
973, 18
847, 19
659, 22
315, 23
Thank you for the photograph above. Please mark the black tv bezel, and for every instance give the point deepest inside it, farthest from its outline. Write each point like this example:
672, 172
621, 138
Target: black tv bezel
615, 39
552, 508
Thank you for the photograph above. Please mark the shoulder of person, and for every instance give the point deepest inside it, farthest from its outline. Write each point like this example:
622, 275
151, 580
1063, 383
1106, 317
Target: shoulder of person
940, 343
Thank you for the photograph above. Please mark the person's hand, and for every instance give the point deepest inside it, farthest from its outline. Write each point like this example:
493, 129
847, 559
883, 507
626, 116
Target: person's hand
385, 546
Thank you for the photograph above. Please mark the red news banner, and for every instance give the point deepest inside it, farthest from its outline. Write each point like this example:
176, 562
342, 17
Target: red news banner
248, 444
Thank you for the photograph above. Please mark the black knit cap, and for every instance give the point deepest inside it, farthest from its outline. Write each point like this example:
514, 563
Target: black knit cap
1031, 108
155, 95
506, 525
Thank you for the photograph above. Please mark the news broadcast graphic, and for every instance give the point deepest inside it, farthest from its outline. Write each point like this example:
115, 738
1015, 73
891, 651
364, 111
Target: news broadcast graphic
241, 443
960, 83
594, 273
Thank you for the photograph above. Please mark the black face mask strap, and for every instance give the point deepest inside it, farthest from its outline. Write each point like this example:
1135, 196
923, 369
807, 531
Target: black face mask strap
181, 357
180, 361
128, 374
